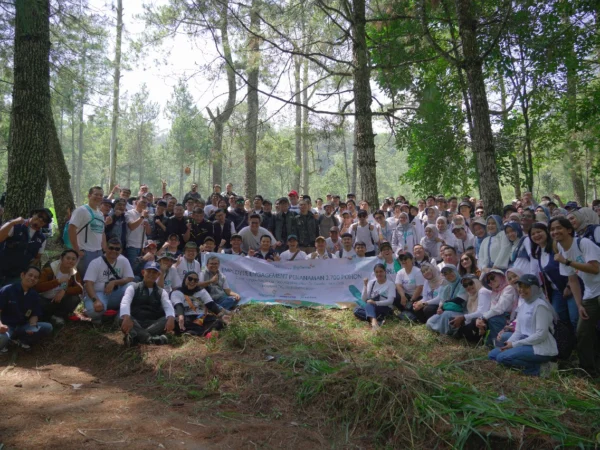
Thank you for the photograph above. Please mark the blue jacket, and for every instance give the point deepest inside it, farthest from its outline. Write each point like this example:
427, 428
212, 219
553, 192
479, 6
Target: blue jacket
16, 306
17, 251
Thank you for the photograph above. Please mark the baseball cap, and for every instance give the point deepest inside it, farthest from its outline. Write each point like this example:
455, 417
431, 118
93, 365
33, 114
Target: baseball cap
360, 243
236, 236
292, 236
209, 238
458, 227
385, 245
167, 255
293, 193
106, 201
239, 200
346, 235
46, 211
161, 203
334, 230
151, 265
362, 212
571, 205
150, 243
351, 194
406, 255
328, 204
529, 280
191, 245
320, 238
479, 221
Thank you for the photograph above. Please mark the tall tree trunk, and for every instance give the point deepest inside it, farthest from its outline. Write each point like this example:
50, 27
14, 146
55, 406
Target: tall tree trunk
79, 158
58, 177
112, 172
364, 139
73, 155
181, 169
513, 158
140, 143
305, 127
298, 126
354, 169
343, 143
26, 183
572, 147
222, 117
252, 115
483, 143
524, 100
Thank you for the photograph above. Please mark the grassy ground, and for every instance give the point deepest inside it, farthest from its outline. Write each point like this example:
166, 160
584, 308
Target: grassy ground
402, 387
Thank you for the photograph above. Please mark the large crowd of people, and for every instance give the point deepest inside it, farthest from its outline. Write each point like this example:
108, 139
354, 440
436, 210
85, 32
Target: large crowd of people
526, 284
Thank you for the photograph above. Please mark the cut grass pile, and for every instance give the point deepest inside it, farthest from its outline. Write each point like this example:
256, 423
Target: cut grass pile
402, 387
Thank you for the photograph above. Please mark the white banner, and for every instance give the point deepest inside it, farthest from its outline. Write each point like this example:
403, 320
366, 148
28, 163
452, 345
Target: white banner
325, 282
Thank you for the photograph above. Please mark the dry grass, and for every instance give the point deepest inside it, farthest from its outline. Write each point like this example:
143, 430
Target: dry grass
402, 387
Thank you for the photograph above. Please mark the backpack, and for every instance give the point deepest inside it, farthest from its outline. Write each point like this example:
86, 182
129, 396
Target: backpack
565, 339
354, 226
590, 233
65, 236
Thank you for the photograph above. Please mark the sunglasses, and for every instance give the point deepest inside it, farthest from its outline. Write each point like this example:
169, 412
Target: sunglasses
114, 249
468, 284
193, 280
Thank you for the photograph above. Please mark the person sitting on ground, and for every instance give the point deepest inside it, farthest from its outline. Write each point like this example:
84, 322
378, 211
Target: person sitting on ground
468, 265
218, 289
504, 301
209, 246
452, 303
390, 262
293, 253
321, 251
169, 278
20, 309
434, 282
532, 345
146, 312
409, 283
188, 262
105, 281
379, 296
192, 304
236, 246
512, 276
347, 251
22, 244
478, 302
265, 251
60, 287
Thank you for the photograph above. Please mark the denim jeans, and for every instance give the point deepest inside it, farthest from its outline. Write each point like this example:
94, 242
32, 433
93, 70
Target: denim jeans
226, 302
85, 261
521, 358
372, 311
132, 254
501, 341
19, 332
566, 308
110, 301
495, 325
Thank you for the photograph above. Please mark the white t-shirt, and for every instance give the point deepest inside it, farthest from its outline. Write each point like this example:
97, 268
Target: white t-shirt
100, 274
185, 267
172, 280
589, 252
317, 255
94, 232
31, 233
410, 281
199, 299
52, 292
365, 234
330, 245
208, 209
135, 238
386, 292
287, 256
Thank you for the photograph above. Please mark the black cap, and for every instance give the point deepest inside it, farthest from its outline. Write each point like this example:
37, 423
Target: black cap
235, 236
45, 211
406, 255
362, 212
529, 280
346, 235
385, 245
161, 203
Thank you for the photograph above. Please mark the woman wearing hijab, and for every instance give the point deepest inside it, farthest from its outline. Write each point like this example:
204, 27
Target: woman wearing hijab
479, 228
404, 236
520, 256
431, 214
434, 282
191, 304
503, 302
557, 285
452, 303
532, 344
585, 221
478, 303
378, 295
545, 211
432, 243
495, 248
445, 232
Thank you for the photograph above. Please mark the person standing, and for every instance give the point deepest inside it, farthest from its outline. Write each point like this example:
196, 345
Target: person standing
86, 230
363, 231
137, 229
284, 225
307, 228
193, 194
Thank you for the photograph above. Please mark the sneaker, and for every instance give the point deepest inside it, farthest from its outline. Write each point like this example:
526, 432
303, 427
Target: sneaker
159, 340
127, 341
3, 350
24, 346
57, 320
548, 368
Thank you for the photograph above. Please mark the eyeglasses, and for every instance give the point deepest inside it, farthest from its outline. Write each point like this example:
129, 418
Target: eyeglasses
468, 284
114, 249
193, 280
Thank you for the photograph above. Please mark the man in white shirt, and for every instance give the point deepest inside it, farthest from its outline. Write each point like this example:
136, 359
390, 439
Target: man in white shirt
321, 251
463, 239
252, 234
86, 230
346, 251
137, 229
169, 278
293, 253
449, 257
187, 262
105, 281
334, 242
146, 311
363, 231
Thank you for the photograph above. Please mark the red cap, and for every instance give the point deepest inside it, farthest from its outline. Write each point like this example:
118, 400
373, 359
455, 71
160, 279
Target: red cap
293, 193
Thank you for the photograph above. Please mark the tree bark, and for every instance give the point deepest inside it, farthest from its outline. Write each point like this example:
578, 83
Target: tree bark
516, 179
79, 157
483, 143
73, 155
59, 178
252, 115
305, 127
298, 126
354, 170
222, 117
364, 139
26, 183
112, 173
